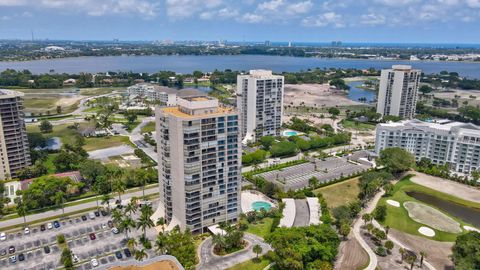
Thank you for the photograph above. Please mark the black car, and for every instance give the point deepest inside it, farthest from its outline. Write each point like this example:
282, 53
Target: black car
127, 252
21, 257
104, 213
84, 217
46, 249
42, 228
11, 249
118, 254
3, 252
97, 214
56, 224
110, 224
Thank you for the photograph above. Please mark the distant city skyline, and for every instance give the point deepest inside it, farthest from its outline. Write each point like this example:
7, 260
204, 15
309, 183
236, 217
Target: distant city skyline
361, 21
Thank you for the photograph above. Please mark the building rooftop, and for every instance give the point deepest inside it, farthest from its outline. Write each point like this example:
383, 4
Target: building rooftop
190, 92
4, 93
175, 111
445, 125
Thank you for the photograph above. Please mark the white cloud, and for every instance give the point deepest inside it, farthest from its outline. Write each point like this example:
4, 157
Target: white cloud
221, 13
372, 19
272, 5
473, 3
8, 3
300, 7
187, 8
251, 18
325, 19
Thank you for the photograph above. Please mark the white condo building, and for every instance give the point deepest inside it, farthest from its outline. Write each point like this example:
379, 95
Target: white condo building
444, 141
199, 160
260, 104
398, 90
152, 92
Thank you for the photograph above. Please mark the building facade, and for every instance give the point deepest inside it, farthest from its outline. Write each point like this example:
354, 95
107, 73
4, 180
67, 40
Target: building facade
199, 160
398, 90
14, 148
165, 95
443, 142
260, 104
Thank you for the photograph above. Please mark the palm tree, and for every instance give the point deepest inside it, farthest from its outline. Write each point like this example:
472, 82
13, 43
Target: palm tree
132, 243
161, 222
402, 253
59, 199
131, 208
411, 259
387, 229
140, 254
106, 200
141, 175
126, 225
144, 222
117, 216
257, 249
367, 217
161, 243
423, 254
21, 209
96, 189
118, 185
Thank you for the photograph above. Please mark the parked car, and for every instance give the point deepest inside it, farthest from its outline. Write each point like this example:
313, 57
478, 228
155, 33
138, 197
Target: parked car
75, 258
56, 224
11, 249
97, 214
91, 215
118, 254
110, 224
92, 236
3, 252
115, 230
27, 230
46, 249
42, 228
49, 225
94, 262
84, 217
104, 213
3, 236
127, 252
104, 225
13, 259
21, 257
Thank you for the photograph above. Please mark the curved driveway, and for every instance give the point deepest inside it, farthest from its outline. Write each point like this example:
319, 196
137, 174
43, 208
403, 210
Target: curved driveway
210, 261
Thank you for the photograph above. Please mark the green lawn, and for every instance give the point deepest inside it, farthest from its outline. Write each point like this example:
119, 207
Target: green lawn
252, 264
49, 163
340, 193
355, 125
150, 127
98, 91
95, 143
398, 218
261, 228
66, 135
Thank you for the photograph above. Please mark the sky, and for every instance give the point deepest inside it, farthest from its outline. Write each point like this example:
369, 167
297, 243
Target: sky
365, 21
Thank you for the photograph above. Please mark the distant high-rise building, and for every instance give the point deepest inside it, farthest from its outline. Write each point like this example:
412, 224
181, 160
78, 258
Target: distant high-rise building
398, 91
14, 149
199, 156
260, 104
267, 43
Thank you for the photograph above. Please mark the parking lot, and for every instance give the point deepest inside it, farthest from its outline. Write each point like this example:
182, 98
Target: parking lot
77, 234
326, 170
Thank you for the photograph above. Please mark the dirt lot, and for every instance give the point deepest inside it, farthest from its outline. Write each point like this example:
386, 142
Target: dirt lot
315, 95
161, 265
352, 256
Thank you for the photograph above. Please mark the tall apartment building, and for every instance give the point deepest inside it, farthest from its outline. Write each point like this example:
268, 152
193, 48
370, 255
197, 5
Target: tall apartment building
14, 149
199, 160
167, 96
444, 141
398, 91
260, 104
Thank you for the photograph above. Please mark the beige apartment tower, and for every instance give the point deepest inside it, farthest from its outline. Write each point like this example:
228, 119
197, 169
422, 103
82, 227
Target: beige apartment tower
199, 158
398, 90
14, 150
260, 104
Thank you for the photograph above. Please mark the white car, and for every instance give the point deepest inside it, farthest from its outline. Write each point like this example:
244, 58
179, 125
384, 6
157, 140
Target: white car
114, 230
3, 236
50, 226
91, 215
13, 259
94, 262
104, 226
75, 258
27, 230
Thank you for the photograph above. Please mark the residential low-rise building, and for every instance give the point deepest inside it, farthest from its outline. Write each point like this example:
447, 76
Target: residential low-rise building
443, 142
165, 95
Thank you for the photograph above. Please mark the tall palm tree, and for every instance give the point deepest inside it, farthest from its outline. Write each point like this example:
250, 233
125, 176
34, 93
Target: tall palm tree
59, 199
117, 216
106, 200
161, 222
144, 220
402, 253
131, 208
140, 254
161, 243
118, 185
423, 255
132, 244
21, 209
126, 225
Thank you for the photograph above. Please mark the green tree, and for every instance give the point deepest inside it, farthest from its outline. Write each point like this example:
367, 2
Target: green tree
334, 111
118, 185
466, 251
161, 243
284, 148
389, 245
46, 126
182, 246
126, 225
425, 89
140, 254
396, 160
257, 249
66, 259
144, 220
380, 213
344, 229
91, 170
106, 200
366, 218
21, 209
423, 255
267, 141
59, 199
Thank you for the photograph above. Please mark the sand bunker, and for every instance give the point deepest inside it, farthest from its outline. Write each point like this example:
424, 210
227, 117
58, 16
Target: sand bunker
161, 265
430, 216
393, 203
468, 228
426, 231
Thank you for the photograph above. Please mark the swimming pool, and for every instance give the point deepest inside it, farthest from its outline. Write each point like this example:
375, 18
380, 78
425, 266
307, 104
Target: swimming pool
259, 205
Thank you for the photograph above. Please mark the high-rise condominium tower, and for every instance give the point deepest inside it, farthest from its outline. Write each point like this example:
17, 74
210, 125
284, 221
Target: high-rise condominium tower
198, 163
398, 91
14, 150
260, 104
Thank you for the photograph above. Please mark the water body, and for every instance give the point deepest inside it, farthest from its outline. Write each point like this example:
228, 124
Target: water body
355, 93
189, 63
467, 214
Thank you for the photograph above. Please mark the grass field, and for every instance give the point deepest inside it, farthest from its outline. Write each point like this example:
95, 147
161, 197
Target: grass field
261, 228
252, 264
348, 124
99, 91
150, 127
397, 217
95, 143
65, 134
340, 193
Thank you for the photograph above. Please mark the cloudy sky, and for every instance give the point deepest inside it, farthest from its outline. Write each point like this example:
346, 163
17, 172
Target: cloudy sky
406, 21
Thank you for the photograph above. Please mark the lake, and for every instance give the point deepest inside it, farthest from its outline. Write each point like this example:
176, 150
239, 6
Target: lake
355, 93
467, 214
189, 63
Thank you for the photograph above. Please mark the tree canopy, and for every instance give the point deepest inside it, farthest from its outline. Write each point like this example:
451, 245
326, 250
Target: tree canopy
466, 251
396, 159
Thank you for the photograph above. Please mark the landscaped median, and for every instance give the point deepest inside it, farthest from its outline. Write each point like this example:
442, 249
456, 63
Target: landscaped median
420, 218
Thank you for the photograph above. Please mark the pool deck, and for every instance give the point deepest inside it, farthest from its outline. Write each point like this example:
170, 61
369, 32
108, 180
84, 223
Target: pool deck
251, 196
